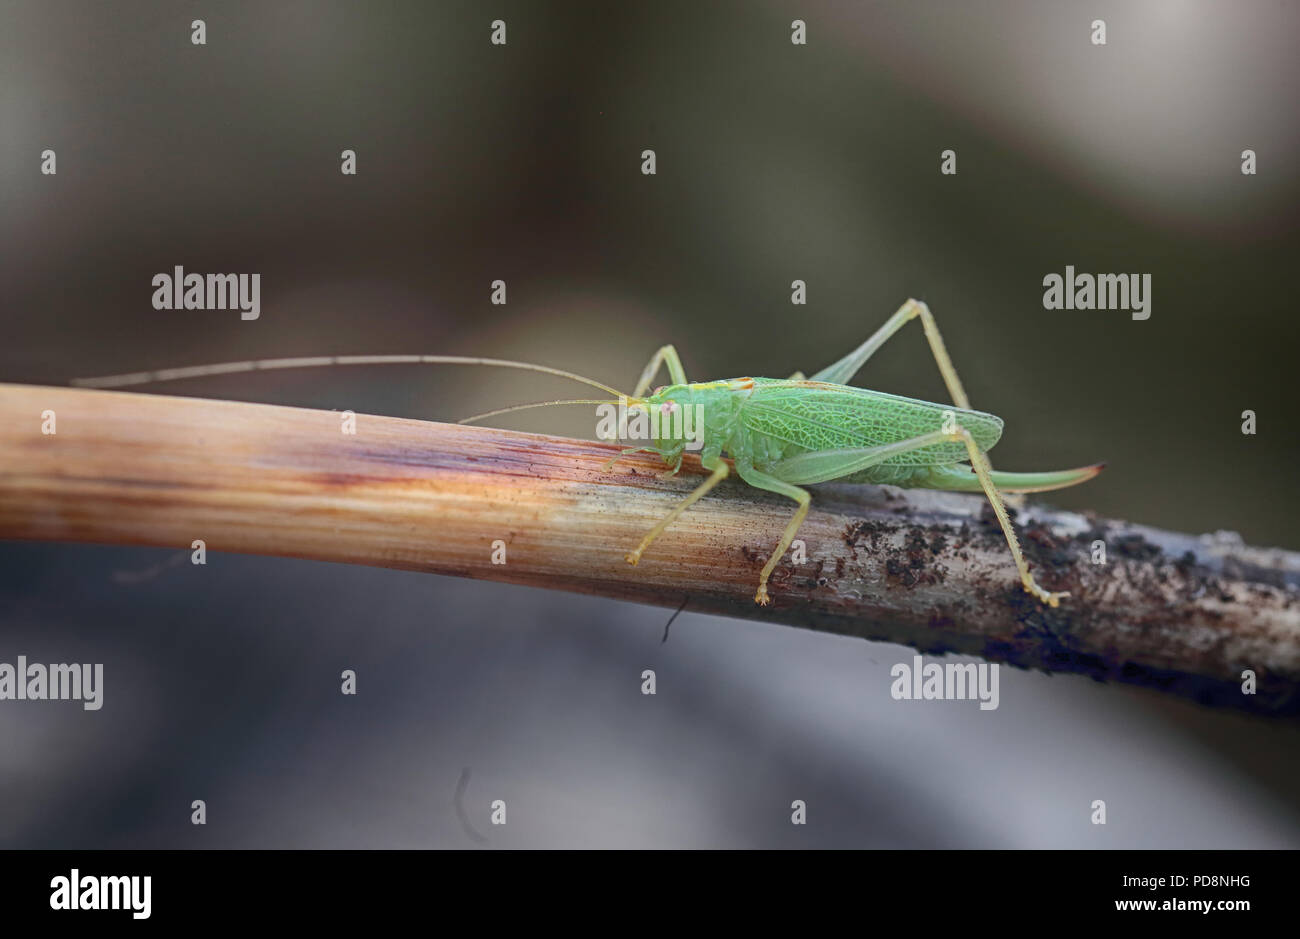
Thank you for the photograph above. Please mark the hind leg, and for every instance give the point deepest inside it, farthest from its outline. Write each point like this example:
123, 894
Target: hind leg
825, 465
843, 371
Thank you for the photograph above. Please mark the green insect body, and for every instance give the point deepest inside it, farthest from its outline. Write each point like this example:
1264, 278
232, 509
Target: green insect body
763, 421
782, 418
783, 434
780, 434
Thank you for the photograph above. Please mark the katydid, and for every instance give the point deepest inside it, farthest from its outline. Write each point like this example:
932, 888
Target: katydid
781, 434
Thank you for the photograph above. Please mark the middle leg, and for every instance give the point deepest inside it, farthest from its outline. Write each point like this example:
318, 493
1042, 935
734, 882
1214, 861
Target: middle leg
760, 480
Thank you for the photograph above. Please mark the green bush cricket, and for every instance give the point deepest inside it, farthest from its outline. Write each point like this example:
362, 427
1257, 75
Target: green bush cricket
781, 434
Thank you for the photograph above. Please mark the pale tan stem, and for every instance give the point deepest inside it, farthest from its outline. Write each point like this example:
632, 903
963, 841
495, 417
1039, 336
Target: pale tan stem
921, 568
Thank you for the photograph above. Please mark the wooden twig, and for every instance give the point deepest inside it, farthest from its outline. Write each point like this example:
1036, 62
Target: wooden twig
1175, 612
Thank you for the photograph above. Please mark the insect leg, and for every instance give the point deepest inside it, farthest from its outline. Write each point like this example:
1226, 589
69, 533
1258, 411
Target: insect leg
982, 469
667, 355
842, 371
719, 473
821, 466
609, 464
816, 467
760, 480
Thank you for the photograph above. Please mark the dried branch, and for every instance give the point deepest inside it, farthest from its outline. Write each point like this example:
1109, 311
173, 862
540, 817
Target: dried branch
1175, 612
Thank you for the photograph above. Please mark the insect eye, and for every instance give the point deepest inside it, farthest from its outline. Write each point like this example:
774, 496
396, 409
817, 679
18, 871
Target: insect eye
660, 389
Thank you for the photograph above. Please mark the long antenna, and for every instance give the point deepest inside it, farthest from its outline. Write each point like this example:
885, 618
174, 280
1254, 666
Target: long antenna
266, 365
536, 404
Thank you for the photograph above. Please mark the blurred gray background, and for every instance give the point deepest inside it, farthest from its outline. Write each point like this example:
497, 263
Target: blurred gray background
775, 162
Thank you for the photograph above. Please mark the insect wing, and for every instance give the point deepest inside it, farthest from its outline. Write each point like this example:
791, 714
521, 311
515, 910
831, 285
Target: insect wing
809, 415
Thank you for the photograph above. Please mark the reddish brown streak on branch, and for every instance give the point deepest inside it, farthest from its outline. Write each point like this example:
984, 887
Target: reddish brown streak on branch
930, 570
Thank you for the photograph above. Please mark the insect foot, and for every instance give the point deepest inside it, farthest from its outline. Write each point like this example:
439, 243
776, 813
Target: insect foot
762, 598
1051, 599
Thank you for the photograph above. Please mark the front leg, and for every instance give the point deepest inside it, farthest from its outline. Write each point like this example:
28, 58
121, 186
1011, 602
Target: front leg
667, 355
719, 472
